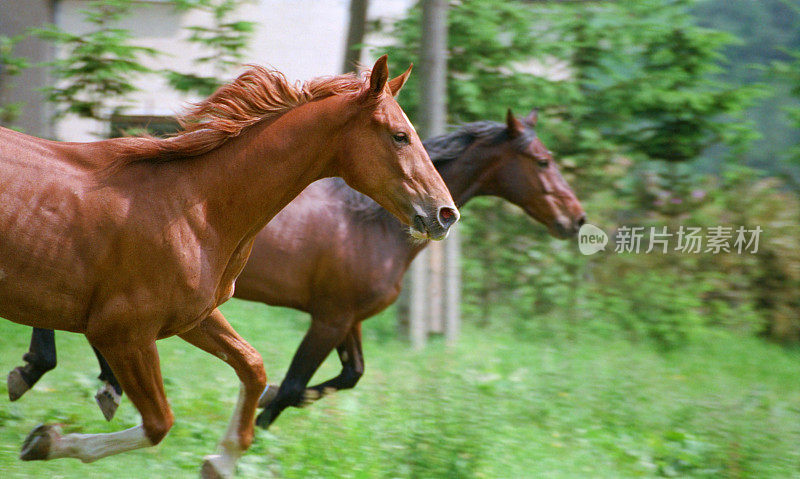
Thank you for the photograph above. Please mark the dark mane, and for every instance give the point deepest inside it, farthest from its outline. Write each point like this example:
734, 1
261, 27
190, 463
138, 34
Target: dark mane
450, 146
257, 94
442, 149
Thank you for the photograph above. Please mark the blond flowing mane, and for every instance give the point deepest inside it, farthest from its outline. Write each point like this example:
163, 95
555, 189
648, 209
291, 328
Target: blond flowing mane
257, 94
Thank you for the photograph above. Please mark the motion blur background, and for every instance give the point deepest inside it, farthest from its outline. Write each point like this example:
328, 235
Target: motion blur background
659, 113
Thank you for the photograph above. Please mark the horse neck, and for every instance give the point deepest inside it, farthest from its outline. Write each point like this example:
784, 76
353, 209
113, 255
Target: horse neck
466, 175
251, 177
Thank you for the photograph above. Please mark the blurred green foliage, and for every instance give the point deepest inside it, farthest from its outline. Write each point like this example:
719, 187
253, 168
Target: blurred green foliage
10, 66
768, 31
102, 63
789, 72
633, 100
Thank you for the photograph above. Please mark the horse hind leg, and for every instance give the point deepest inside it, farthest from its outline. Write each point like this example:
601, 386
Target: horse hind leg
215, 336
352, 358
139, 373
318, 342
109, 395
40, 358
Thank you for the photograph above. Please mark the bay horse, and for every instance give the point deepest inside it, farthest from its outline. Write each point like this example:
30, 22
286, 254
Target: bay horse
132, 240
305, 259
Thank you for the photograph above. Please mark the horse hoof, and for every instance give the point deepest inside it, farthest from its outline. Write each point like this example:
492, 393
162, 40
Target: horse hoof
268, 395
108, 401
38, 443
16, 384
214, 467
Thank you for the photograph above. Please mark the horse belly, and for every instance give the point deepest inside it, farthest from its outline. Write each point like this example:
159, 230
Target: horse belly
282, 279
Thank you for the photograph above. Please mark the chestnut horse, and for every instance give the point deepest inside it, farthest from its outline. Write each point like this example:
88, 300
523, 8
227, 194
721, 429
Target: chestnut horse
135, 239
354, 273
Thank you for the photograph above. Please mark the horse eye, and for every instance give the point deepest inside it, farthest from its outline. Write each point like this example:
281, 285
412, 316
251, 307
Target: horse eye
400, 137
542, 163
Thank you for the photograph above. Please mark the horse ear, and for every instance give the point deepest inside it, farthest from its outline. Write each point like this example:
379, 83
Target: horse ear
533, 117
379, 76
514, 126
396, 83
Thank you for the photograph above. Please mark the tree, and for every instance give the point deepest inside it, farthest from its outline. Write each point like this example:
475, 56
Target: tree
225, 42
428, 281
98, 67
10, 66
789, 72
617, 83
673, 106
355, 34
768, 31
608, 76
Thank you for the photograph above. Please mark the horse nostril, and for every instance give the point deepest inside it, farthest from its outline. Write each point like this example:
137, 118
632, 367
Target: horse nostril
582, 220
447, 216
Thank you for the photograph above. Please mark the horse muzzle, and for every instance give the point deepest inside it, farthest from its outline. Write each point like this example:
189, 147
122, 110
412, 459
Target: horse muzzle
568, 228
434, 226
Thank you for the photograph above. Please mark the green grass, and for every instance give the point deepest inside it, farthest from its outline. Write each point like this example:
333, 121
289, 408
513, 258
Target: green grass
500, 404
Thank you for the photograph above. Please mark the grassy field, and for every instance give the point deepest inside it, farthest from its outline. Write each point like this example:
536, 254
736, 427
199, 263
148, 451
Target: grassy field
500, 404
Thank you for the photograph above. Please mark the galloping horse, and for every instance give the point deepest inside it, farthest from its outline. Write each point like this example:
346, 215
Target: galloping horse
354, 274
135, 239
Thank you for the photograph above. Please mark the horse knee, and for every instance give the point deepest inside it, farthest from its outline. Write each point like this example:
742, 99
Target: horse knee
155, 429
254, 374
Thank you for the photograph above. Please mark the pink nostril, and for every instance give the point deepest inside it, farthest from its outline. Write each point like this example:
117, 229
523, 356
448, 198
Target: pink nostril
447, 216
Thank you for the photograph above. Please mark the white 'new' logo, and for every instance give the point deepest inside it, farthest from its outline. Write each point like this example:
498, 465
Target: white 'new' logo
591, 239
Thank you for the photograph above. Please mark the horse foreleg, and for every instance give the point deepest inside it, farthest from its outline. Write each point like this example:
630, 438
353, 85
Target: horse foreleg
318, 342
110, 393
137, 368
40, 358
352, 358
214, 335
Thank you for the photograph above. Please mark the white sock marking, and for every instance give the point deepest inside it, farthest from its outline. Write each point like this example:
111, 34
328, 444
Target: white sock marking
230, 450
91, 447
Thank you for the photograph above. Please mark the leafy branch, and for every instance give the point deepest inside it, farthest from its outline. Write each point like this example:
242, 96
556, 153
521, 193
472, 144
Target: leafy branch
225, 41
96, 66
